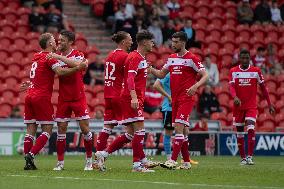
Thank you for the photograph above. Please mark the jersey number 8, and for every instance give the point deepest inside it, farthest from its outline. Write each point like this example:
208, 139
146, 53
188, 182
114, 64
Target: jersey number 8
32, 72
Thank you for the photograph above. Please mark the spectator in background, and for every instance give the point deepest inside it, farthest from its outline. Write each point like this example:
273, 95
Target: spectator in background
245, 13
282, 11
155, 29
16, 113
130, 9
212, 71
121, 16
272, 61
162, 9
208, 102
259, 59
168, 31
54, 20
153, 98
174, 8
95, 72
201, 125
275, 13
190, 32
262, 13
108, 14
37, 19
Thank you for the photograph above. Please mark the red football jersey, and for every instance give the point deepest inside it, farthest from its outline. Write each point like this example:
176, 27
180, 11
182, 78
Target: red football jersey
114, 73
42, 75
246, 82
183, 71
137, 64
71, 87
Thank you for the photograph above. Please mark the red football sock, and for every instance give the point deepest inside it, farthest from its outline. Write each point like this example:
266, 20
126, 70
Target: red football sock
179, 138
28, 143
40, 142
102, 139
60, 146
251, 141
241, 144
88, 143
119, 142
184, 150
137, 145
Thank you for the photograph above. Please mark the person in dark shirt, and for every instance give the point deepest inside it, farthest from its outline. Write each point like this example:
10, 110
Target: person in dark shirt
37, 19
95, 72
262, 13
208, 102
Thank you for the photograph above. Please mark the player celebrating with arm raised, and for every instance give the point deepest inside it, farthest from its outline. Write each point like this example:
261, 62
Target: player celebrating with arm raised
38, 106
71, 99
243, 88
183, 67
135, 74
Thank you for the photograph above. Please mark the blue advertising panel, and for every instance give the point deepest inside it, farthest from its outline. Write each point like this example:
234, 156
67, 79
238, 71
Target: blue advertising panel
266, 144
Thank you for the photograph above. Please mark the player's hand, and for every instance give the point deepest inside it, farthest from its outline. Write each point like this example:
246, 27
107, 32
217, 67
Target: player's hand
237, 101
134, 103
52, 55
83, 65
192, 90
149, 69
170, 99
271, 110
24, 86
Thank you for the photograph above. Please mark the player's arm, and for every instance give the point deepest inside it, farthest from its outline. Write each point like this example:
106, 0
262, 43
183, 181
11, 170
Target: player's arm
265, 92
70, 62
204, 77
158, 73
68, 71
232, 89
131, 88
158, 86
24, 86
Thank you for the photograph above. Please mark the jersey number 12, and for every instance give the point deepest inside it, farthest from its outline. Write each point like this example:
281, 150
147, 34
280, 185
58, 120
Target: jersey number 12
110, 68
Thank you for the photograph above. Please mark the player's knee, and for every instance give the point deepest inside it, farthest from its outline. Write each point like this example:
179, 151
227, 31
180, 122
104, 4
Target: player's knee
179, 128
62, 128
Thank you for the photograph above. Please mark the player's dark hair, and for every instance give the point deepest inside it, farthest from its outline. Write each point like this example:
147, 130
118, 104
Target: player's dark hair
181, 35
144, 35
43, 39
69, 34
208, 56
119, 36
244, 51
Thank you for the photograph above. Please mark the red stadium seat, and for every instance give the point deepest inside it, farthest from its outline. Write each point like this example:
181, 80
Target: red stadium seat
267, 126
11, 17
5, 110
98, 88
279, 118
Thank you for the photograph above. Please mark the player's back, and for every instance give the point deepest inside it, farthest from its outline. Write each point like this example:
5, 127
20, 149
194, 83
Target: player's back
114, 73
71, 87
183, 73
42, 75
137, 64
246, 82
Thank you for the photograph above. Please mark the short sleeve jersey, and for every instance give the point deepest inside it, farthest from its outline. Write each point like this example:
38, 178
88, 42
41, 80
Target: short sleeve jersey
42, 75
183, 72
246, 82
137, 64
114, 73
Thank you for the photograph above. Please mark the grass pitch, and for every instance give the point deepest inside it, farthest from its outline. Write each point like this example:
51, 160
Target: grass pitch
212, 172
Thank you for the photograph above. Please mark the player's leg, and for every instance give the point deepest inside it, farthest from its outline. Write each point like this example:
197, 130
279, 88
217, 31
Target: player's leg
167, 122
250, 123
238, 122
185, 151
117, 144
109, 122
43, 111
139, 158
28, 143
60, 144
39, 143
88, 143
63, 116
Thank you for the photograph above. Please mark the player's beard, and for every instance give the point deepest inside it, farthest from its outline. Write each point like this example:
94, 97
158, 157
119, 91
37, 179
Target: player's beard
176, 50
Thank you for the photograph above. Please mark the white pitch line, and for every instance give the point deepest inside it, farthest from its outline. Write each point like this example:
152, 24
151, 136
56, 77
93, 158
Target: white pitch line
152, 182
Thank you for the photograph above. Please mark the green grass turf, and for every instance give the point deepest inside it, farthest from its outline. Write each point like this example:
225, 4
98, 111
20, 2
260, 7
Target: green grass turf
212, 172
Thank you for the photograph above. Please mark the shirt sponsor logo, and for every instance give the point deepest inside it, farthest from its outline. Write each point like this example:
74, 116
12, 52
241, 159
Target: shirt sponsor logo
244, 82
